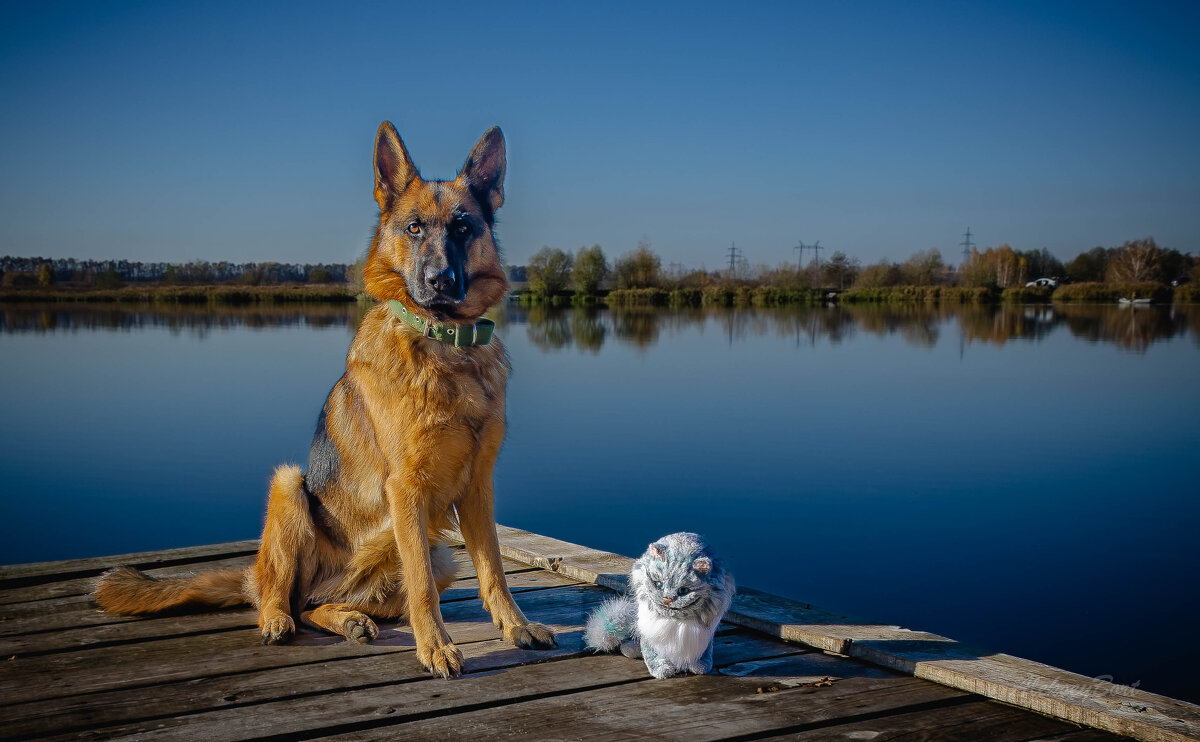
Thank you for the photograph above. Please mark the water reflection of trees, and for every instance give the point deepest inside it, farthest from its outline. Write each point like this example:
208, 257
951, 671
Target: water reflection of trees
589, 328
549, 329
1132, 328
177, 319
639, 327
998, 325
918, 325
554, 329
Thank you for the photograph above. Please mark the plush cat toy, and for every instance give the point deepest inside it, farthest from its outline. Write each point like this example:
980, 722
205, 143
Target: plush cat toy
678, 592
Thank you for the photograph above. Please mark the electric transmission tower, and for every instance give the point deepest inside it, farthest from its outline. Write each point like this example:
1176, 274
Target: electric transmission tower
967, 245
734, 256
814, 247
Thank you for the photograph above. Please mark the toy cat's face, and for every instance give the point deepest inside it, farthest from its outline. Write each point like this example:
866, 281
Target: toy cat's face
671, 579
678, 586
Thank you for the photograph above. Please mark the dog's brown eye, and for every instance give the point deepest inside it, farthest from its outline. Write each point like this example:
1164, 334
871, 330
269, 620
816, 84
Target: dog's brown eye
414, 228
461, 228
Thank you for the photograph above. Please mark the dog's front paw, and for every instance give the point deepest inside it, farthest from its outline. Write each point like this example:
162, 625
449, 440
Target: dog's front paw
445, 660
530, 636
278, 630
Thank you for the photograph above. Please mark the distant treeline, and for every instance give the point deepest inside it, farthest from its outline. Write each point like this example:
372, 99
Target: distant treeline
113, 274
1138, 267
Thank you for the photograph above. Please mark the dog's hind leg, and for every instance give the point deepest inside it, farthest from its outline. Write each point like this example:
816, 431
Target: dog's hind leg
343, 619
288, 538
348, 619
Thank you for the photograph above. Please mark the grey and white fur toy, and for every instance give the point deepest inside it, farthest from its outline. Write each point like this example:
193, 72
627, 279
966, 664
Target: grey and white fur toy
678, 592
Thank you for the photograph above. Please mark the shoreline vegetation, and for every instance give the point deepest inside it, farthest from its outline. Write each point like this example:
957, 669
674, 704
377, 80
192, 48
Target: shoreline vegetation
198, 294
717, 295
726, 294
768, 296
1138, 270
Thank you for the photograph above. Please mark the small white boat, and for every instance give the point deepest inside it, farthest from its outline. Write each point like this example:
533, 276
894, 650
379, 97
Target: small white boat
1133, 302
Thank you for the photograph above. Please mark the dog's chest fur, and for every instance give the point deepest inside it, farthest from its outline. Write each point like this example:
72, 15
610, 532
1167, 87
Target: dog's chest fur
425, 382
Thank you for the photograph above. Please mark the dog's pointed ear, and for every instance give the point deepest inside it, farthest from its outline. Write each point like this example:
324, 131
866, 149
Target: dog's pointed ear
484, 169
393, 167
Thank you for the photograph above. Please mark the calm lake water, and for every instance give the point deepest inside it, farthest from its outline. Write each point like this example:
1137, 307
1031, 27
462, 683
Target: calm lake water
1024, 480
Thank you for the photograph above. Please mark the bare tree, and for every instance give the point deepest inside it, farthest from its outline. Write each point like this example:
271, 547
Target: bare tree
1135, 261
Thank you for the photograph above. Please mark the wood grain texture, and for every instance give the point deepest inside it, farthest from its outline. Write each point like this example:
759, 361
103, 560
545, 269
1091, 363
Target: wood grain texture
620, 703
78, 609
1020, 682
208, 676
37, 572
496, 675
146, 663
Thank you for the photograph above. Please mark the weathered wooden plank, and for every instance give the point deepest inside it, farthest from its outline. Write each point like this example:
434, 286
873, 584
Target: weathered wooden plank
1080, 735
466, 569
417, 694
618, 702
73, 612
968, 722
1048, 690
49, 590
242, 697
808, 624
806, 668
1020, 682
84, 585
1014, 680
123, 632
518, 581
578, 562
59, 611
175, 658
156, 706
38, 572
788, 619
77, 586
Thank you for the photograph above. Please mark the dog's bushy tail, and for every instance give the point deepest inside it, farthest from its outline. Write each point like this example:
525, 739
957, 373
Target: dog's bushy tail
612, 624
128, 591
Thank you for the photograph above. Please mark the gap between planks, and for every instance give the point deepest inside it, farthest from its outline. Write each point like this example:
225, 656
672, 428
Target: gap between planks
1016, 681
1013, 680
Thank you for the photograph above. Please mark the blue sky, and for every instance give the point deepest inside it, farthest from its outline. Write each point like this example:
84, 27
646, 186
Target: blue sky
160, 131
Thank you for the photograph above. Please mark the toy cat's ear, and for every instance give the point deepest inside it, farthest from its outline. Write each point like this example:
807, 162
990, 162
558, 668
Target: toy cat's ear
657, 551
703, 565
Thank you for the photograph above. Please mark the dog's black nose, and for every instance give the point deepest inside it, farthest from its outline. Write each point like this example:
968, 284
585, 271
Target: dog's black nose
440, 281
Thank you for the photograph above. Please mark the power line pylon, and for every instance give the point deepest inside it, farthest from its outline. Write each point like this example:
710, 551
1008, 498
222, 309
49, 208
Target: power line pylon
734, 255
967, 245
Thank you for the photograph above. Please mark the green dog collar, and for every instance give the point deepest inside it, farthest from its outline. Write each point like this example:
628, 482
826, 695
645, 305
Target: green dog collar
459, 336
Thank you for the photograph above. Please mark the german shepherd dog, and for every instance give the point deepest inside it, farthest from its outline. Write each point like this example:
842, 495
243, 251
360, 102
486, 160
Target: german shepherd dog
405, 444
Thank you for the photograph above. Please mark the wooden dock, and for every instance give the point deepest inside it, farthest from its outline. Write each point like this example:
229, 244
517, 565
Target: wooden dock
786, 670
